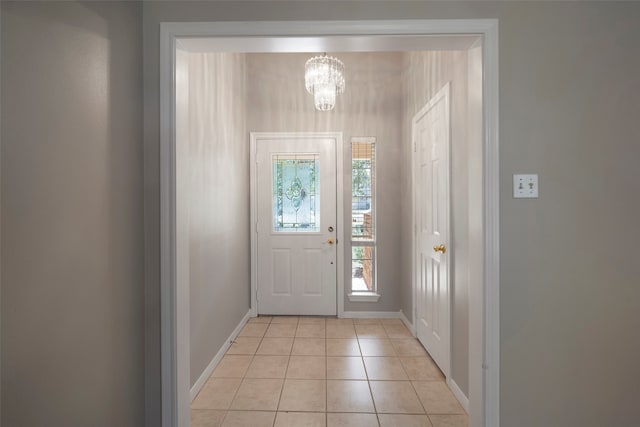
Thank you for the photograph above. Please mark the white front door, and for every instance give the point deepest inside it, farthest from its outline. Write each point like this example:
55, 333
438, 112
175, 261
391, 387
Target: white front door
431, 177
296, 225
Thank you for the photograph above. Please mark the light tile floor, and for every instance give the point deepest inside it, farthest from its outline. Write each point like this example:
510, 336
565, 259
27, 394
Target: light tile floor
326, 372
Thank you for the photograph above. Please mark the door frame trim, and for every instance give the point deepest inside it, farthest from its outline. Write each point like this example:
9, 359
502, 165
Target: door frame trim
174, 322
255, 138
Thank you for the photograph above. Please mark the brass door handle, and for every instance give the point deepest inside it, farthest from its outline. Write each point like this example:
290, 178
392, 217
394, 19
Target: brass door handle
440, 248
329, 241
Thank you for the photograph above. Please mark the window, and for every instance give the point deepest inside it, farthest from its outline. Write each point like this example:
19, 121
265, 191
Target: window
363, 220
296, 193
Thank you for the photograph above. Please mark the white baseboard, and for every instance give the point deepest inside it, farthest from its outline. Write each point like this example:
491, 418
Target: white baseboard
218, 357
408, 324
464, 400
371, 315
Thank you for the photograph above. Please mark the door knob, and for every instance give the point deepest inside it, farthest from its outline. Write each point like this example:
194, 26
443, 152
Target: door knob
329, 241
440, 248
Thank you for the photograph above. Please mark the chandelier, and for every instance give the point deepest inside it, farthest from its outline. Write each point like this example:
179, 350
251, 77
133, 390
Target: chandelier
324, 79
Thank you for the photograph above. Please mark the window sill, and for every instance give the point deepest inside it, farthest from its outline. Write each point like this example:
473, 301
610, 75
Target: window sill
364, 297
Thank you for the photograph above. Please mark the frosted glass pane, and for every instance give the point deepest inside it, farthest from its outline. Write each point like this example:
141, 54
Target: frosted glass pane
296, 193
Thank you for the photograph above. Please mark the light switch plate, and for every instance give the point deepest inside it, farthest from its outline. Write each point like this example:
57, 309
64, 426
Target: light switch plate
525, 186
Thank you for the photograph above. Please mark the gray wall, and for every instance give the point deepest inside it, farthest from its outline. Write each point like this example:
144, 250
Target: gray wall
217, 174
569, 260
568, 97
370, 106
424, 74
569, 295
72, 215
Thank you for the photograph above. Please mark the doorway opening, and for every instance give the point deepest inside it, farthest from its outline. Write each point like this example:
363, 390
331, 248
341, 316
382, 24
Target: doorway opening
344, 36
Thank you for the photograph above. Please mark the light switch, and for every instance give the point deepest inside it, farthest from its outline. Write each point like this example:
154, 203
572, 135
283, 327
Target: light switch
525, 186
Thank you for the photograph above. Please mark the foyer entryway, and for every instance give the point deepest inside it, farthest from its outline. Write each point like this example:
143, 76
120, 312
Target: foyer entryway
185, 361
316, 371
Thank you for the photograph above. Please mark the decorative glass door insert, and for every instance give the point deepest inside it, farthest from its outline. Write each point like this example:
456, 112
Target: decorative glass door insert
296, 193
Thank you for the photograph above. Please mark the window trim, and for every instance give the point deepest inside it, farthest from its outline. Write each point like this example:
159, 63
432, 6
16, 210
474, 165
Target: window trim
362, 296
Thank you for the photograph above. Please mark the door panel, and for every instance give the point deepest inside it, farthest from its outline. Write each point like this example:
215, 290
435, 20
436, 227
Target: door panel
312, 271
296, 208
431, 133
281, 270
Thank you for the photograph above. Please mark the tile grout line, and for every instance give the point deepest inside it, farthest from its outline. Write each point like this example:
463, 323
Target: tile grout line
244, 376
420, 400
326, 378
326, 355
366, 372
284, 380
275, 416
226, 412
253, 356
